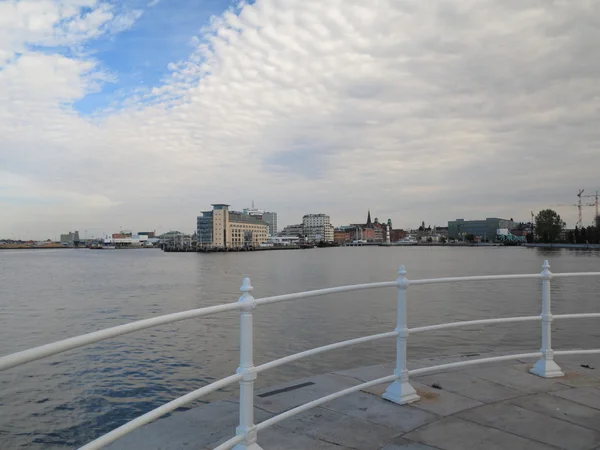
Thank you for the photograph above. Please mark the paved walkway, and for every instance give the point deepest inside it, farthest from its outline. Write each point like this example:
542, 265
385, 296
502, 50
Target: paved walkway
496, 406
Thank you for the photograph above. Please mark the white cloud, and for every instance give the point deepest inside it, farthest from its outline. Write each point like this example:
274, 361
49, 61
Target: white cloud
417, 110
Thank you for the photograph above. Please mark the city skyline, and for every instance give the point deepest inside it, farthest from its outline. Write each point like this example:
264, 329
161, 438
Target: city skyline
141, 112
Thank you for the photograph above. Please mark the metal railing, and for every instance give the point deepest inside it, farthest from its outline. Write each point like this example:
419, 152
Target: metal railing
400, 391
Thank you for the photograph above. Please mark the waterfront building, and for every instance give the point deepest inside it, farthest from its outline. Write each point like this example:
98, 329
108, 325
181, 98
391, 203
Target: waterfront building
370, 231
70, 239
317, 227
293, 230
126, 239
282, 241
221, 228
484, 229
270, 218
341, 235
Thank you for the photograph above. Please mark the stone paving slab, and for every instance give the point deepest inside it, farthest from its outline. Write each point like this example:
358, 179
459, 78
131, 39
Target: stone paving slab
518, 379
469, 386
588, 396
372, 409
575, 375
441, 402
479, 408
278, 438
408, 446
532, 425
298, 392
453, 433
198, 427
560, 408
340, 429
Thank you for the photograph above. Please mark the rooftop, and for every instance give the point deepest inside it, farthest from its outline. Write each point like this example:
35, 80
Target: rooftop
495, 406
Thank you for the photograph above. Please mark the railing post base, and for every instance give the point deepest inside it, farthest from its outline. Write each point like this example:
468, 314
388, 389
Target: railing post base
547, 368
401, 393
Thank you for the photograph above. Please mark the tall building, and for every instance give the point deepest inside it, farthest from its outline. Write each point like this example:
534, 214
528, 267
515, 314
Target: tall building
222, 228
317, 227
270, 218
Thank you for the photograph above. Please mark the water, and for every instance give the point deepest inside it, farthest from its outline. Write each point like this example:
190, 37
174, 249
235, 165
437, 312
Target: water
69, 399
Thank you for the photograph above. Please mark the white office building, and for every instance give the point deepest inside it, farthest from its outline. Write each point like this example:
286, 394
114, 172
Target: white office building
317, 227
270, 218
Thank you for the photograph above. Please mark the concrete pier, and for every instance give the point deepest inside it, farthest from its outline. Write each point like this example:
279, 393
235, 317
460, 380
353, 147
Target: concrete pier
494, 406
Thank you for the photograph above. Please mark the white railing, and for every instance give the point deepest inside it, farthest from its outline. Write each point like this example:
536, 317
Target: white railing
400, 391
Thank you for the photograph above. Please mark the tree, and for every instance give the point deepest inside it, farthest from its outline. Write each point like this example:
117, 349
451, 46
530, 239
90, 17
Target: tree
443, 240
549, 225
571, 237
470, 237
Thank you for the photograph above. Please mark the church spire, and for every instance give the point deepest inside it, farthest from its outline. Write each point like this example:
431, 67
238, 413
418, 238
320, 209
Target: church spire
369, 224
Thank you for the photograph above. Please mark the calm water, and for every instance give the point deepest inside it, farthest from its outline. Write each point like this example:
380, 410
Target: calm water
71, 398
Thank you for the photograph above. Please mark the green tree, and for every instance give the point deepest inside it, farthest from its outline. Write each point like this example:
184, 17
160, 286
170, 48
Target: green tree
470, 237
549, 225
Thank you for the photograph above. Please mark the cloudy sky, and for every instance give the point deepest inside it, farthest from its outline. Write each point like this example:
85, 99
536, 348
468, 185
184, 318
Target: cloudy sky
139, 114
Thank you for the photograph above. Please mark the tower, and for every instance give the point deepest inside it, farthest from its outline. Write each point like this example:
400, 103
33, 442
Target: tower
369, 224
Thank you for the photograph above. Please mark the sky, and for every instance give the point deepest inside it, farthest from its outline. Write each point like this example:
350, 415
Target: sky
139, 114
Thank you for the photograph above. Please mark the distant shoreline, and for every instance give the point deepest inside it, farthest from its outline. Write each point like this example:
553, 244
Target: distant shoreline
574, 246
37, 248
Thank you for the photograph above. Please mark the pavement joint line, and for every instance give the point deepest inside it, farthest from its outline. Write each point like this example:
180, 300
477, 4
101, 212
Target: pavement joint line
574, 401
558, 418
471, 409
510, 432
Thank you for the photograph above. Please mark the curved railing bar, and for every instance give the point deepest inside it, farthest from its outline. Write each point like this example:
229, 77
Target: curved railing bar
325, 348
54, 348
466, 323
471, 362
575, 274
43, 351
327, 291
158, 412
577, 352
525, 276
575, 316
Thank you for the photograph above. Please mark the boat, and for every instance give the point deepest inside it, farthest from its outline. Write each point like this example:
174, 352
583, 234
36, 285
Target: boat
408, 240
101, 246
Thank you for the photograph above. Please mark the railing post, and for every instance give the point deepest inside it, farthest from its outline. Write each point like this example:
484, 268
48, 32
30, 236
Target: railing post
248, 371
546, 367
400, 391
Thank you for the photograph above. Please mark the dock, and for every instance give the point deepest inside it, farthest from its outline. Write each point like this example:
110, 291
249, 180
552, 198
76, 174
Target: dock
495, 406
